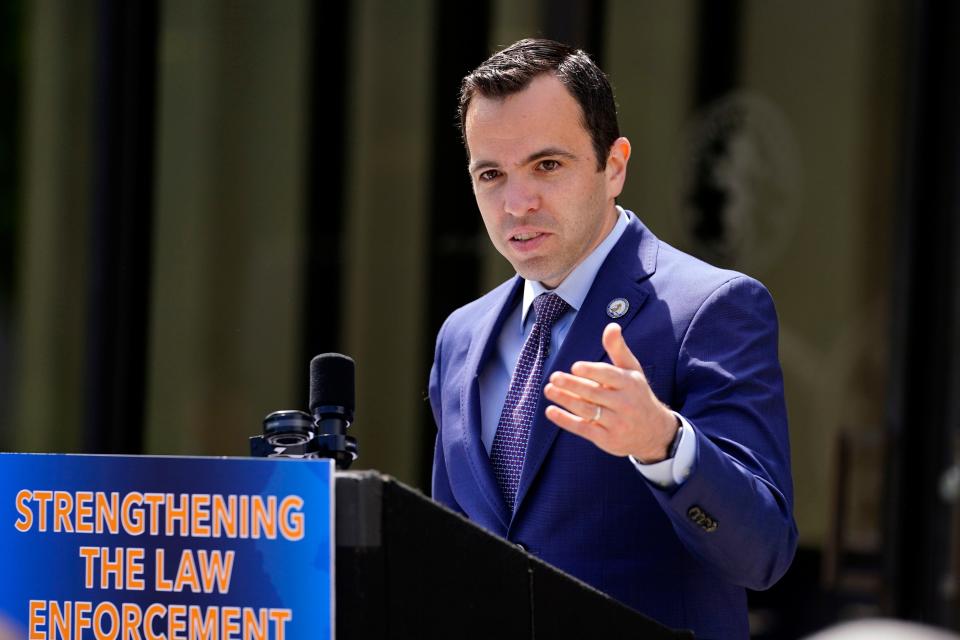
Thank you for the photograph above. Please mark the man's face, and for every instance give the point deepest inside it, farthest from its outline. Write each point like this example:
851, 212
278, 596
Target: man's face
534, 173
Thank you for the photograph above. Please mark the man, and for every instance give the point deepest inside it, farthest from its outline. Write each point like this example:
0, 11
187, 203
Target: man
617, 407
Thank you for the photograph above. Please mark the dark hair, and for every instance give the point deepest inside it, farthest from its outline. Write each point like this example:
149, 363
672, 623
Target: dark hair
510, 70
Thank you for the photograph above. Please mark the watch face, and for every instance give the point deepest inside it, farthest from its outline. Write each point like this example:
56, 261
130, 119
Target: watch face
676, 440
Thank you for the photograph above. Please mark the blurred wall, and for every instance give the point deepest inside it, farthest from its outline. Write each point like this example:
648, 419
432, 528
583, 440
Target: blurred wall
227, 249
389, 136
232, 174
56, 193
810, 182
310, 194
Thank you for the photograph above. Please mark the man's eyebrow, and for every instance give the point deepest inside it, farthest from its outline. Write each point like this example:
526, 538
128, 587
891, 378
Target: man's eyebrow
545, 153
533, 157
483, 164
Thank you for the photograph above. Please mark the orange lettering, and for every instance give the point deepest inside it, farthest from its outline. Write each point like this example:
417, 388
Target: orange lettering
254, 624
37, 620
84, 512
178, 513
224, 516
89, 554
280, 618
264, 517
154, 611
154, 500
62, 508
42, 497
106, 512
291, 524
161, 583
132, 617
131, 513
111, 568
59, 620
215, 568
229, 623
187, 573
134, 566
176, 624
24, 496
244, 513
81, 618
200, 522
203, 627
106, 609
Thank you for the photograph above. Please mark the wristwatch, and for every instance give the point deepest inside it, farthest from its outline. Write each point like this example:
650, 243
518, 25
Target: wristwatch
675, 444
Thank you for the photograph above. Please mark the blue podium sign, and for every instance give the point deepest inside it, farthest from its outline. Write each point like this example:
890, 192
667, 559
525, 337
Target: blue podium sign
165, 548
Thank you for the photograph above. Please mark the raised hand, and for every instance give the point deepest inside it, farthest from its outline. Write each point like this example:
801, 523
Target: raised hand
612, 405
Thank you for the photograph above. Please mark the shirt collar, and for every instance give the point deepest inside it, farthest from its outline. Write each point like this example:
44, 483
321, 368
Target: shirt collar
575, 286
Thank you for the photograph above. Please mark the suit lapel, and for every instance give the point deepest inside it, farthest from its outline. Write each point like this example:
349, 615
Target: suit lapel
482, 342
623, 275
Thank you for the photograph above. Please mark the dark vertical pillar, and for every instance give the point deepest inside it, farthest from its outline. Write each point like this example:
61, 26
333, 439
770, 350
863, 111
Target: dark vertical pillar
121, 225
326, 179
455, 226
11, 64
718, 49
11, 44
716, 75
925, 391
578, 23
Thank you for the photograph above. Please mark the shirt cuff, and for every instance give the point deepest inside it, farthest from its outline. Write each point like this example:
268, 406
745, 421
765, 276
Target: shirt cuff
672, 472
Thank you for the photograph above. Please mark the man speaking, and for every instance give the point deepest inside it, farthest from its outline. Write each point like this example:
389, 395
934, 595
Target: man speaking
617, 407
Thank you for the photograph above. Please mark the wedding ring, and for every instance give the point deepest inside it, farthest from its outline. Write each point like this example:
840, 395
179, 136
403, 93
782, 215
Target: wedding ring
596, 416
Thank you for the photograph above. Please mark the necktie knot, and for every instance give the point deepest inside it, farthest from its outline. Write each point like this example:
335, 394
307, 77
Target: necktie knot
549, 307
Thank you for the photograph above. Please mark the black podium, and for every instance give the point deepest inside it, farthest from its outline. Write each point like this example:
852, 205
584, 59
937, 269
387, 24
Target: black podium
407, 567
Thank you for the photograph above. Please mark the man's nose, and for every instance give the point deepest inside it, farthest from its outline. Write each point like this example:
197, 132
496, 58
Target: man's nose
520, 198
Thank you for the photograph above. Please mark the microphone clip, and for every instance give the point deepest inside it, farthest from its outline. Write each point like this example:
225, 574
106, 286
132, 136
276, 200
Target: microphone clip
295, 434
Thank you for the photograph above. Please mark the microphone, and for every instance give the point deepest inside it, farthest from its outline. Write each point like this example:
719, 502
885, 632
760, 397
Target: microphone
332, 388
322, 433
332, 404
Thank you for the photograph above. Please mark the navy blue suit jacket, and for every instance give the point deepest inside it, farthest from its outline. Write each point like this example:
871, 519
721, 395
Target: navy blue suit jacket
707, 340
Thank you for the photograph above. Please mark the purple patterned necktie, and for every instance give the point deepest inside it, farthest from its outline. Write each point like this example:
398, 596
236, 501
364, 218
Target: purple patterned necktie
526, 386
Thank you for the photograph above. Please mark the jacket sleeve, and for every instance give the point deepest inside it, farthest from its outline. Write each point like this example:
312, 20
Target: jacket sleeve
735, 510
440, 485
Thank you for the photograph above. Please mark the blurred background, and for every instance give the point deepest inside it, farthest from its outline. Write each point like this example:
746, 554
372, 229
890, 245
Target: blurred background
197, 197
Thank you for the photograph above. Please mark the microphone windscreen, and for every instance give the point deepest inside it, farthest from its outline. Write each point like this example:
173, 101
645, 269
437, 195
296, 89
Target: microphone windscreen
331, 381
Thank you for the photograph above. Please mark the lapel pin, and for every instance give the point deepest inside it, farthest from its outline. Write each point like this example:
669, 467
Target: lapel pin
617, 308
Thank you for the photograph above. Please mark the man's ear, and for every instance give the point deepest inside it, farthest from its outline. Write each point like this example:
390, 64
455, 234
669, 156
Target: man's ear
616, 170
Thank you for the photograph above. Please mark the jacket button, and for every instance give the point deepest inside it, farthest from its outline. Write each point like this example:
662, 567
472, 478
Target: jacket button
702, 519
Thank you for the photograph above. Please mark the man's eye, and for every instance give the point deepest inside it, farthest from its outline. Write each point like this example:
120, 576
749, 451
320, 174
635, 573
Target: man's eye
488, 175
549, 165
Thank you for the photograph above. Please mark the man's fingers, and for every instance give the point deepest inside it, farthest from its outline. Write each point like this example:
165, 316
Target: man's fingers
608, 375
576, 425
584, 387
572, 402
616, 347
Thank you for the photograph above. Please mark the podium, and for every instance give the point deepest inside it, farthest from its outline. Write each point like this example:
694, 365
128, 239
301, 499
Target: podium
180, 548
407, 567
